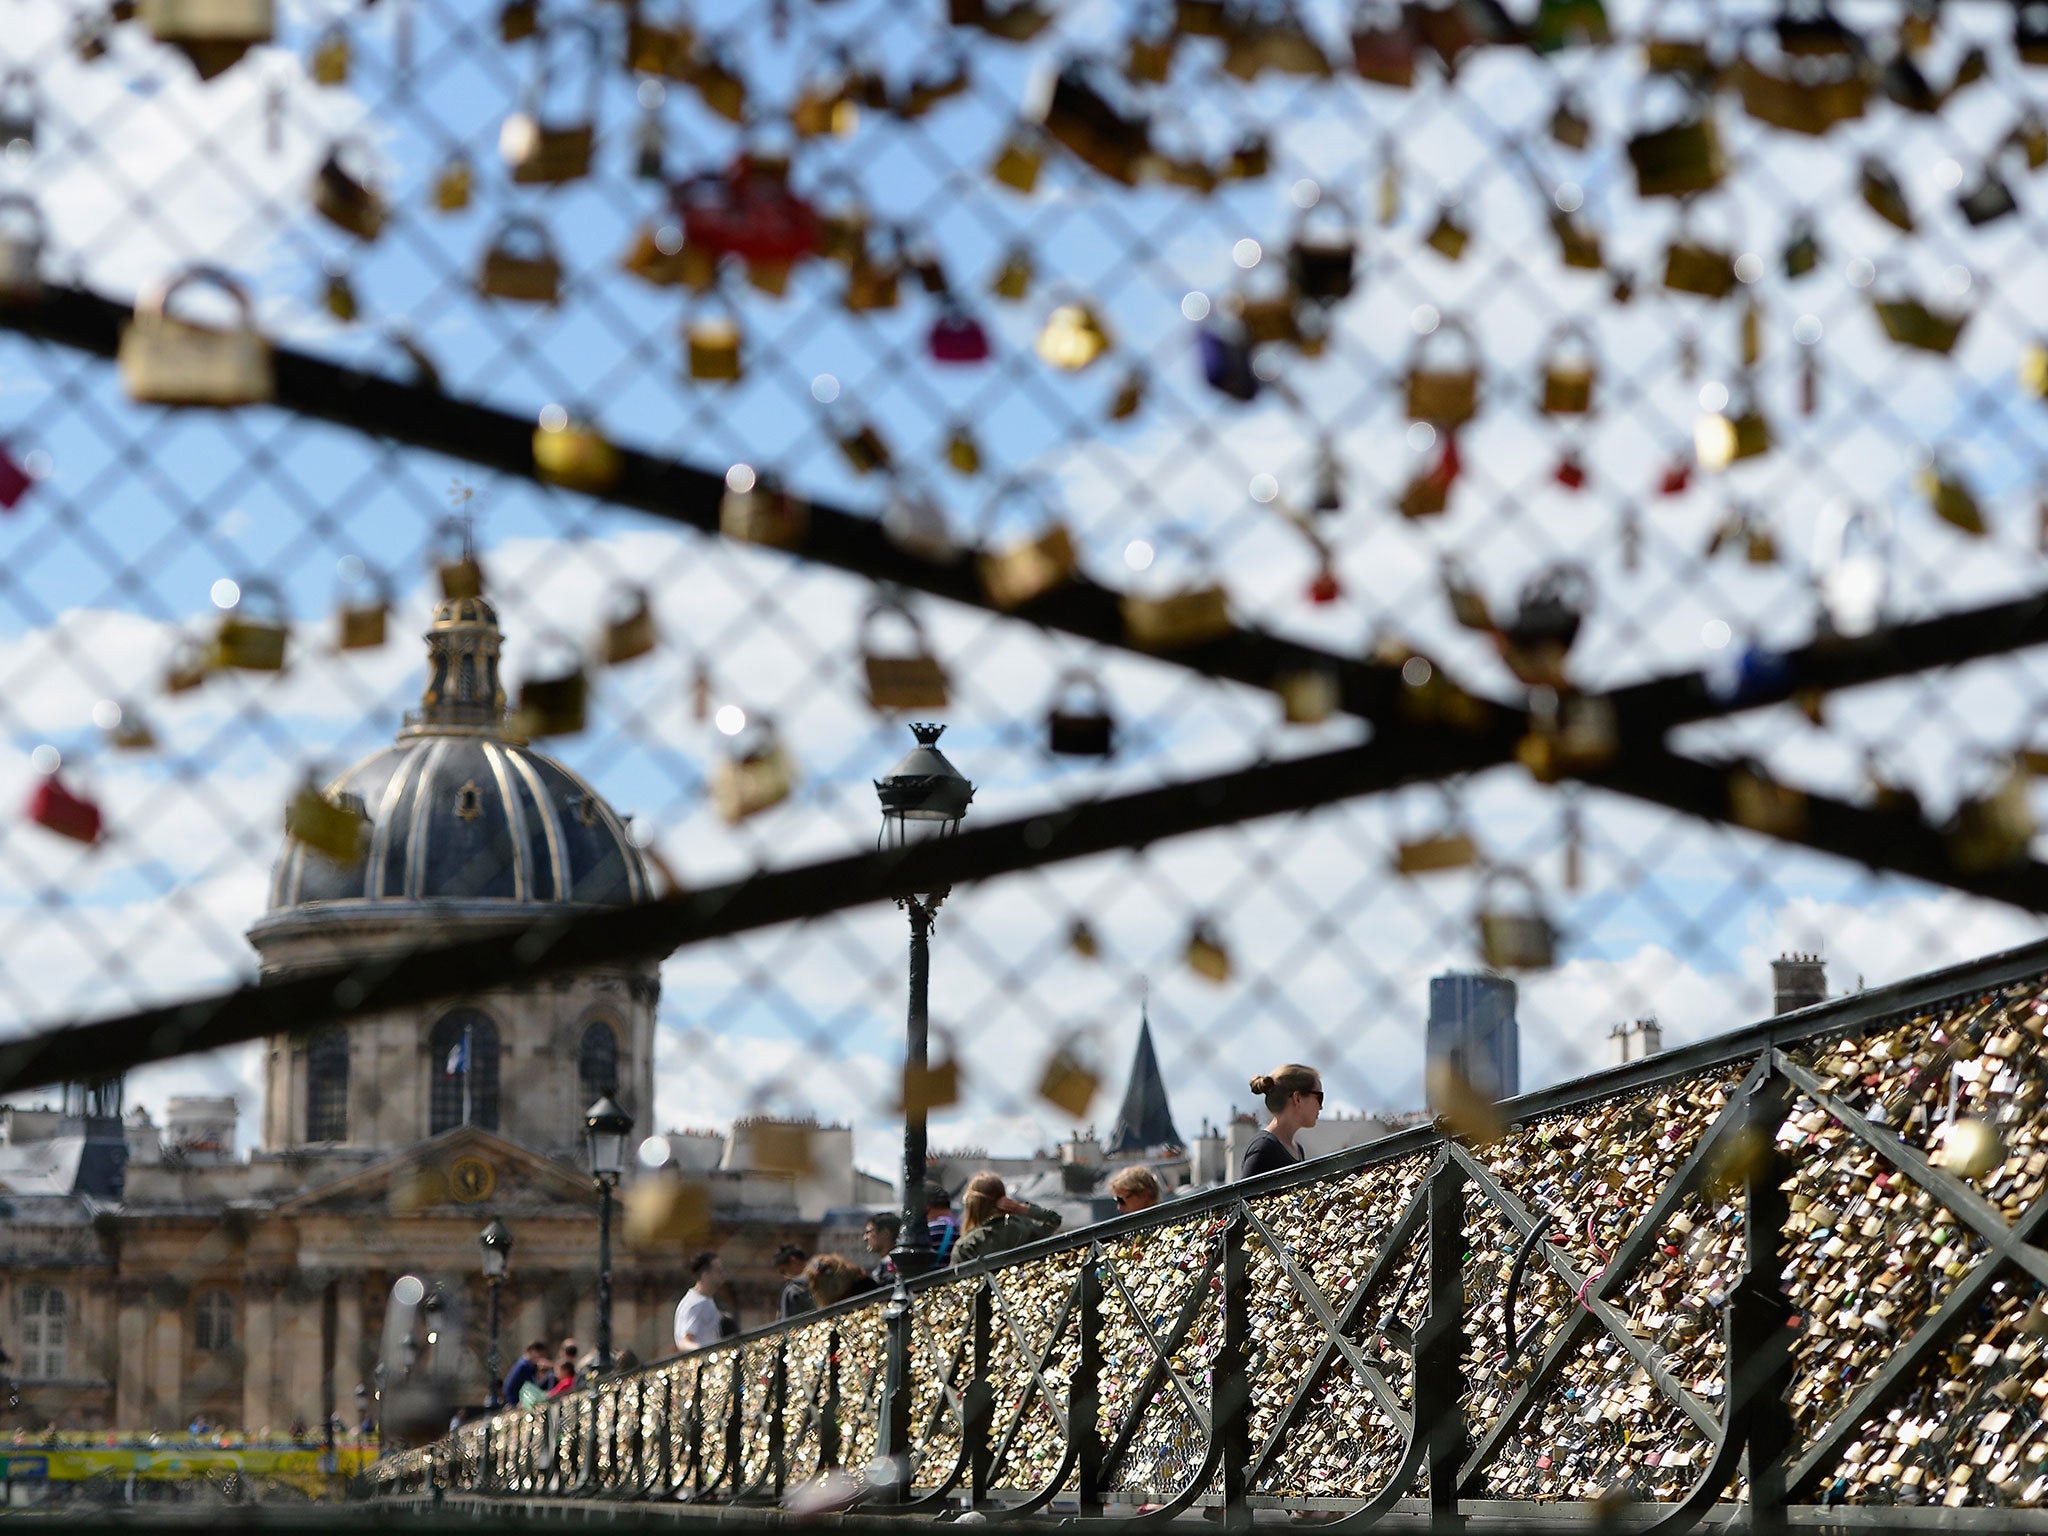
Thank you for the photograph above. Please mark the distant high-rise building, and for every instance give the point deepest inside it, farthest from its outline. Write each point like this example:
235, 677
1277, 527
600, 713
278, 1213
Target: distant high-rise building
1798, 981
1472, 1023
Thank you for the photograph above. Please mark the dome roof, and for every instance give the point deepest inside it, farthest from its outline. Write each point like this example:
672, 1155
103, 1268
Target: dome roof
460, 809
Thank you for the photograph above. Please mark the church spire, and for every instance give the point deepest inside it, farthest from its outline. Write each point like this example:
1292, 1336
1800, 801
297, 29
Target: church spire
1146, 1119
463, 693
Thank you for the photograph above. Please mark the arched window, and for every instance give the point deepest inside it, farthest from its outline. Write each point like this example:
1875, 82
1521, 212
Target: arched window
45, 1319
462, 1057
327, 1086
213, 1322
597, 1065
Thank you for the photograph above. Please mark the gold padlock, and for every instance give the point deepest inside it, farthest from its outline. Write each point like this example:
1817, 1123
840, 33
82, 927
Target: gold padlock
1513, 939
337, 830
757, 510
911, 678
252, 634
553, 704
1692, 266
1448, 396
1883, 194
1568, 375
127, 730
452, 183
863, 448
1308, 696
872, 283
1816, 93
521, 264
455, 565
167, 361
659, 256
929, 1087
1578, 242
757, 777
629, 630
1760, 803
1176, 620
1911, 323
1951, 497
962, 451
345, 200
1073, 337
1993, 829
190, 665
1019, 161
652, 49
1083, 112
1129, 398
518, 20
1205, 954
330, 60
712, 343
1014, 573
720, 85
1069, 1082
570, 451
547, 152
1678, 160
213, 34
362, 618
1447, 237
1013, 277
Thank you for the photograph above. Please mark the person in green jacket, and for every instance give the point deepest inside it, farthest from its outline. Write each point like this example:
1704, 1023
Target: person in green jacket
996, 1223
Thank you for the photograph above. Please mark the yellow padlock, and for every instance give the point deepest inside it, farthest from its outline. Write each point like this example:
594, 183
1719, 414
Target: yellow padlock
168, 361
252, 634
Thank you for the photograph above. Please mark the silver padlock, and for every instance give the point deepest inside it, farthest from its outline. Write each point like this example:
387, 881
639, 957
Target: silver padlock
22, 236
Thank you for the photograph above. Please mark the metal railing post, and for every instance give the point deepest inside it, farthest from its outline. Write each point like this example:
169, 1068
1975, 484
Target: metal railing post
828, 1415
1084, 1389
893, 1449
979, 1400
1230, 1417
1440, 1344
778, 1400
1762, 1324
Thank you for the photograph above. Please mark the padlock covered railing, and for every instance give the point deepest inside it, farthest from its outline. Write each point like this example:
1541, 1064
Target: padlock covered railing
1806, 1244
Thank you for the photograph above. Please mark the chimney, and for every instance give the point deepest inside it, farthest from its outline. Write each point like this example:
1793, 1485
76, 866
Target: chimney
1798, 981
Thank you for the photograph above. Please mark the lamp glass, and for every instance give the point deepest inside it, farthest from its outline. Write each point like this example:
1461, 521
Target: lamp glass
607, 1127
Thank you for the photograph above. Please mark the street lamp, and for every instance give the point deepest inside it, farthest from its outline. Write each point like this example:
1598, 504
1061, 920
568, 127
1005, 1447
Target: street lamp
924, 799
606, 1128
496, 1242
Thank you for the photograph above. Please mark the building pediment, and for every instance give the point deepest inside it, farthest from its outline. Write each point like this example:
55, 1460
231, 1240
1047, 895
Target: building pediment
463, 1170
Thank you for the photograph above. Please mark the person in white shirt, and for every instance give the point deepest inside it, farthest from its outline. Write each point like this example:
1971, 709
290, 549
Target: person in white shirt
697, 1312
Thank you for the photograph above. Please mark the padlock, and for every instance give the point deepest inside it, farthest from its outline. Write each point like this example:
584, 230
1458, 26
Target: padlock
660, 256
452, 183
872, 282
521, 263
748, 210
52, 806
568, 450
914, 522
1447, 396
345, 200
18, 110
1069, 1081
518, 20
22, 237
957, 337
930, 1087
930, 85
1549, 613
1129, 398
1308, 695
863, 448
1851, 560
1802, 249
1176, 620
1568, 371
167, 361
757, 510
1383, 43
1760, 803
1512, 939
1250, 158
2034, 369
654, 49
1571, 471
963, 453
455, 563
362, 618
712, 345
251, 636
1226, 357
1019, 160
756, 777
334, 828
1266, 317
128, 731
1447, 237
15, 481
1911, 323
1694, 266
1949, 494
1993, 829
1271, 35
1081, 939
330, 60
650, 145
825, 106
551, 704
1578, 243
1072, 338
338, 296
213, 34
1678, 160
911, 678
1205, 954
1428, 491
190, 665
1570, 125
629, 630
1810, 96
1451, 846
1326, 492
1084, 110
1322, 252
1882, 192
1568, 23
1991, 199
1150, 48
544, 151
2030, 137
1013, 278
1015, 574
719, 83
1078, 722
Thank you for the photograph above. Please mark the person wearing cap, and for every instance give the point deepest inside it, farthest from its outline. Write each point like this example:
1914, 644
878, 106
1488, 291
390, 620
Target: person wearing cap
796, 1292
940, 1222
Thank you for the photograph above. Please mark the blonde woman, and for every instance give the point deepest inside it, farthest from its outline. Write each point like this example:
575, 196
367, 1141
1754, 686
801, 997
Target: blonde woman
995, 1223
1294, 1098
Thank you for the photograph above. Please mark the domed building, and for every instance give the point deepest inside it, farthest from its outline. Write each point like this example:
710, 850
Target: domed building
470, 830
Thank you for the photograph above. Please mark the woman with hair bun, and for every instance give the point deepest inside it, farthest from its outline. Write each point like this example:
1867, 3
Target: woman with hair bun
1294, 1094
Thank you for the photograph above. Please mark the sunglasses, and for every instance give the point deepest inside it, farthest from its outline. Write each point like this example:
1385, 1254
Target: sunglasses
1124, 1200
1312, 1093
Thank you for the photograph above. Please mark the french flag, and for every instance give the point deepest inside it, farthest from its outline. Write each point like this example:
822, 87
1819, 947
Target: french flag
458, 1058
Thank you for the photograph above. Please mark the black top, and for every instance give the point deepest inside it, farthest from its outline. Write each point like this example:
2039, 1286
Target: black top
1265, 1152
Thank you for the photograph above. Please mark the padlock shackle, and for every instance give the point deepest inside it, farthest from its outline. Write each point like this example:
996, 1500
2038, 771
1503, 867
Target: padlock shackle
154, 303
523, 224
1447, 325
263, 588
374, 578
889, 602
1093, 689
533, 98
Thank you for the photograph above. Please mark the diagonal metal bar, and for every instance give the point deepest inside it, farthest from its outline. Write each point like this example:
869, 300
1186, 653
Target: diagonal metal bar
1036, 1362
1628, 1258
949, 1395
1390, 1254
1969, 1207
1159, 1350
1876, 1394
1382, 1390
1191, 1308
1703, 1417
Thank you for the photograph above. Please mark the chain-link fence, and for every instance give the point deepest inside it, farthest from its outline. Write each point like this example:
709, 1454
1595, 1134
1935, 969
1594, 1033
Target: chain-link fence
1372, 492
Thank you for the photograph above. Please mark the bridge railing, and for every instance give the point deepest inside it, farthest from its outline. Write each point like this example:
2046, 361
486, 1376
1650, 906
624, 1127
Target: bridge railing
1810, 1243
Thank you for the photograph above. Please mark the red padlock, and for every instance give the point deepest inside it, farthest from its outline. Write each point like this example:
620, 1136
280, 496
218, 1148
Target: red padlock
51, 805
957, 337
14, 480
1325, 588
1677, 476
746, 211
1571, 474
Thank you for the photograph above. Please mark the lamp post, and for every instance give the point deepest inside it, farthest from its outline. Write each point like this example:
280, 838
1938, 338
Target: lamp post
924, 799
496, 1243
606, 1128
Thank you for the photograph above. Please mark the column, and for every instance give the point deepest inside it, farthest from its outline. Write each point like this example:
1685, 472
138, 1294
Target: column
131, 1366
349, 1369
167, 1360
259, 1306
